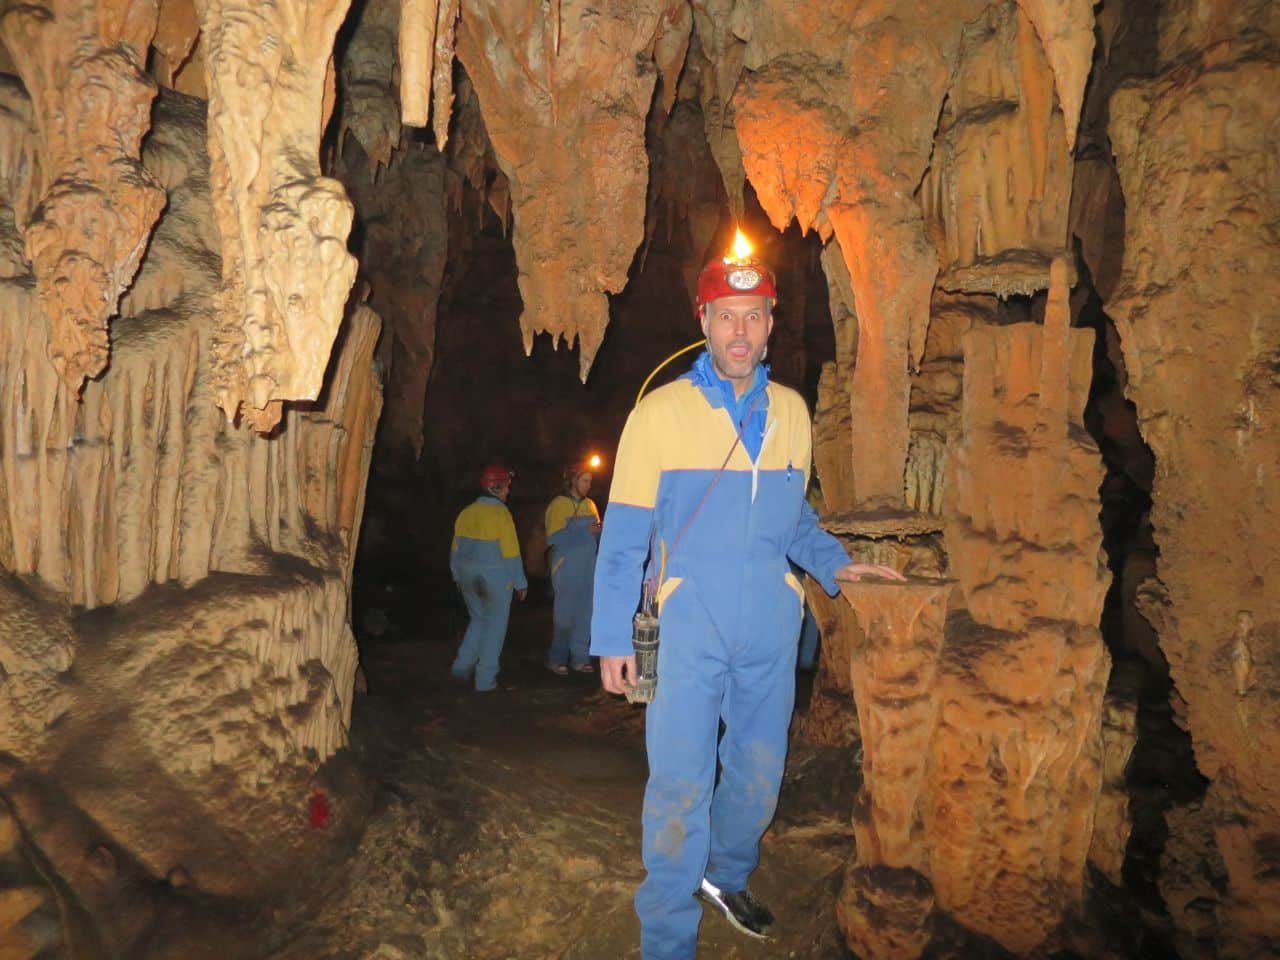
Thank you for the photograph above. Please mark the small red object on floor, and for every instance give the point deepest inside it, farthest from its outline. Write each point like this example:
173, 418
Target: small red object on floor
319, 808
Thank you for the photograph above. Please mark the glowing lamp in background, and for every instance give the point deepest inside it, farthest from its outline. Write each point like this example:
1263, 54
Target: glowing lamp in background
594, 461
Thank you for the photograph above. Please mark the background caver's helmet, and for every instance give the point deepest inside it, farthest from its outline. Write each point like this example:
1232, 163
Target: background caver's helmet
494, 475
732, 278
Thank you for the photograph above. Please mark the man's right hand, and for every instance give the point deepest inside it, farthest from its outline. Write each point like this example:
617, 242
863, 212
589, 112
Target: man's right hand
617, 674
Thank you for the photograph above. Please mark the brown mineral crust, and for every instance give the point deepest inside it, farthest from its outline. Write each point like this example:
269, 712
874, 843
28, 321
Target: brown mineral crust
1065, 28
893, 672
286, 270
36, 650
369, 109
935, 397
82, 65
177, 30
1031, 551
883, 912
832, 418
1195, 308
568, 131
1112, 825
1014, 775
997, 194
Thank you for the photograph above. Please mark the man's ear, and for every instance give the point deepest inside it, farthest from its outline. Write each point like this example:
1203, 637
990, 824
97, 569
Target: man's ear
702, 319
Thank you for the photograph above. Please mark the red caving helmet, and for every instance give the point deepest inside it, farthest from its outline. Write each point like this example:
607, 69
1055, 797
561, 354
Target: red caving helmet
495, 474
732, 278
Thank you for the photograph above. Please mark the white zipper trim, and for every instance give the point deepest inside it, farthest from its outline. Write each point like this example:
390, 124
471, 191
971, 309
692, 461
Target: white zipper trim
755, 464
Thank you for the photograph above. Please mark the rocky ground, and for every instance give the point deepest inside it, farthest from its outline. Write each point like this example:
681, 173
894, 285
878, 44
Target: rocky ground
507, 824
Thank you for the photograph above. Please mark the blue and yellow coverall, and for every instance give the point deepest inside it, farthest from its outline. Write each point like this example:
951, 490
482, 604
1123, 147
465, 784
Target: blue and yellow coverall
729, 618
571, 532
485, 562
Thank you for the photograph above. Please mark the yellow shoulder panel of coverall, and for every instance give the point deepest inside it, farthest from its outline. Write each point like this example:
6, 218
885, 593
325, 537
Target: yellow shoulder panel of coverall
679, 430
489, 521
559, 511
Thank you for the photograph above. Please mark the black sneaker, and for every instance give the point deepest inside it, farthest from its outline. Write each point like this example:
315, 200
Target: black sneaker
741, 909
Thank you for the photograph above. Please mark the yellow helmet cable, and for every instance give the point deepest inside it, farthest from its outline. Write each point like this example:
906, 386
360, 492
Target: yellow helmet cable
683, 350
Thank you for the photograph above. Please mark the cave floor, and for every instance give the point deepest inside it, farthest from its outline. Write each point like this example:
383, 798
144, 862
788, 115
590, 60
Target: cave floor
507, 824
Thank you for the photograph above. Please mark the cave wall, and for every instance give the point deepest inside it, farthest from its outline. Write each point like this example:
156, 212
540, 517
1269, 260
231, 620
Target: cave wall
189, 391
176, 651
1196, 147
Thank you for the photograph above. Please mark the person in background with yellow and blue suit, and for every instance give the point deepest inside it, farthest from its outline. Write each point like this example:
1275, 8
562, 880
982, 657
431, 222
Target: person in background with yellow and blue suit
486, 566
729, 607
573, 533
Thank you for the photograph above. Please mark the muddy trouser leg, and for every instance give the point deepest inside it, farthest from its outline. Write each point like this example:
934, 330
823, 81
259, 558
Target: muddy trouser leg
561, 611
759, 696
580, 637
494, 633
680, 733
473, 595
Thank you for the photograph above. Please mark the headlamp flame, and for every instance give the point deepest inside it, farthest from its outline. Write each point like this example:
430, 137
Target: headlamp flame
742, 248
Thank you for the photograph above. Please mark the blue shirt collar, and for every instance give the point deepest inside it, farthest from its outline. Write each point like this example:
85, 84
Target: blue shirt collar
719, 391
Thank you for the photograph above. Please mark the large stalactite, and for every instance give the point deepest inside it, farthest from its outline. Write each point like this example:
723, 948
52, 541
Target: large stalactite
82, 65
567, 123
286, 270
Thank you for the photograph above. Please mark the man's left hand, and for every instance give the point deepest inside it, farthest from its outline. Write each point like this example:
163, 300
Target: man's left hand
853, 572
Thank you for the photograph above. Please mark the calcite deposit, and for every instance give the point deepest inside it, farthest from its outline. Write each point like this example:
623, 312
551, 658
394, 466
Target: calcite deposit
82, 66
285, 267
175, 640
567, 124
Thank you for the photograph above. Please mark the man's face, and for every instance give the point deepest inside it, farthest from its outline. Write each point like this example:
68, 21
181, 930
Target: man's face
737, 330
501, 490
581, 485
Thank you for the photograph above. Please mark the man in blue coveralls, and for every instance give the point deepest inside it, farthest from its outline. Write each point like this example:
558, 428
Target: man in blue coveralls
713, 470
573, 532
486, 566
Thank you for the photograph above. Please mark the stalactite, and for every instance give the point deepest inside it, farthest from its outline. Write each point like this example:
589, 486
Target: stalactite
286, 271
573, 245
83, 67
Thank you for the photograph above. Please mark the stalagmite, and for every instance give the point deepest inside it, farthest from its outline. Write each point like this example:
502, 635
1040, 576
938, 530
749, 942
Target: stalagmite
82, 65
894, 672
285, 267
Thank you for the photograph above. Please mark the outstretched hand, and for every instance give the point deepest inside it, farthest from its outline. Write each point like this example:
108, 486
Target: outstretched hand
617, 674
853, 572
